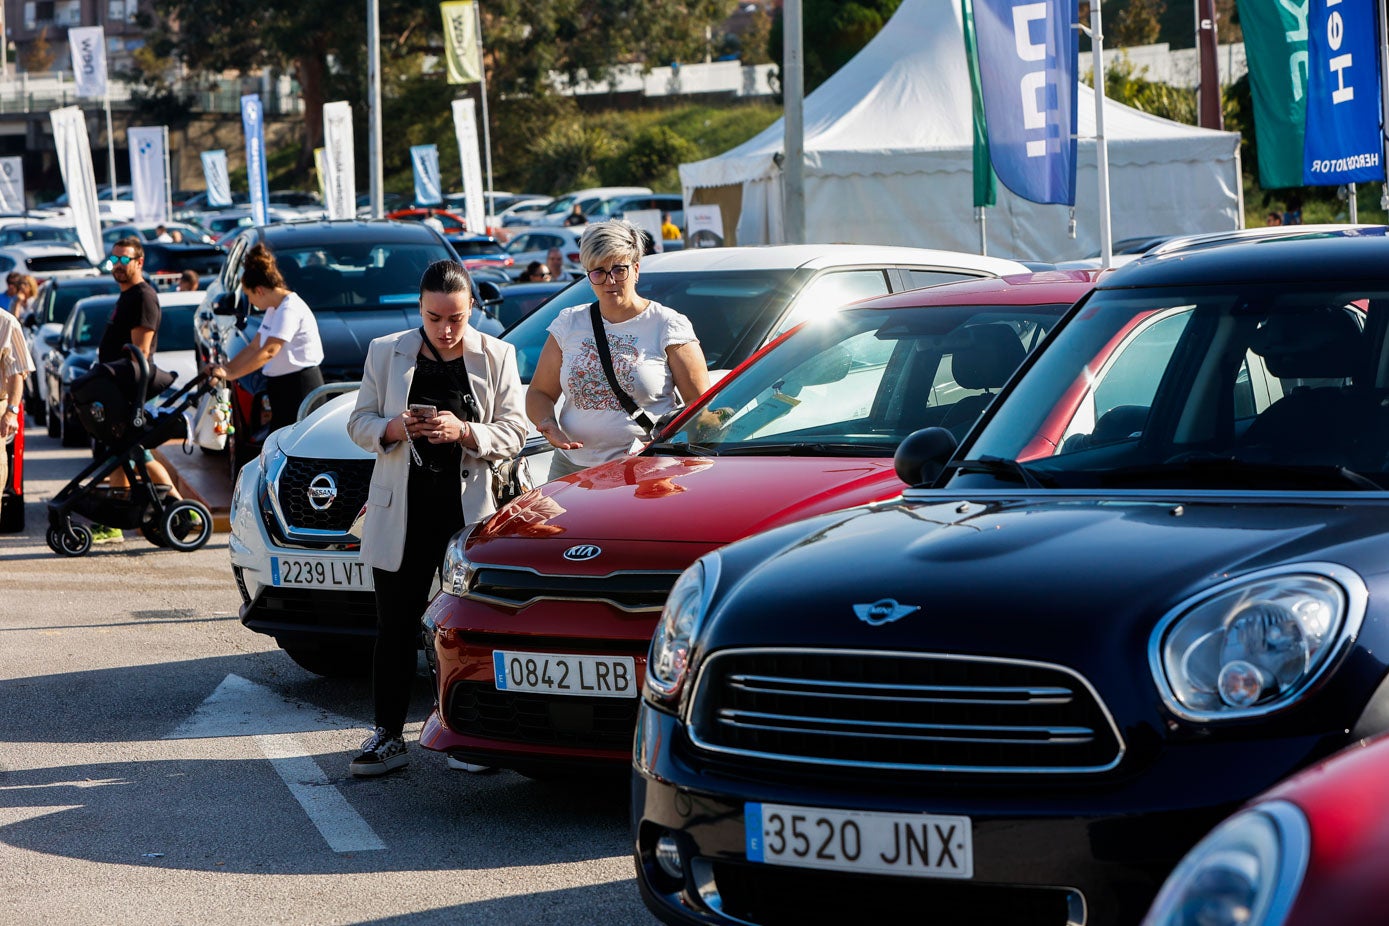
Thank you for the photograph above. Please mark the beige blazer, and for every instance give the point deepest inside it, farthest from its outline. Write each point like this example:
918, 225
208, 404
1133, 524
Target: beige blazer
386, 379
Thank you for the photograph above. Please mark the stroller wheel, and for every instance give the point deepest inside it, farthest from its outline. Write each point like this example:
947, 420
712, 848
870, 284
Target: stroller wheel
186, 526
149, 527
73, 542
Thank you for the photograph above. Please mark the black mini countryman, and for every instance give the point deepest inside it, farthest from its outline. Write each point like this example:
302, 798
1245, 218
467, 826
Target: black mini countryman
1151, 583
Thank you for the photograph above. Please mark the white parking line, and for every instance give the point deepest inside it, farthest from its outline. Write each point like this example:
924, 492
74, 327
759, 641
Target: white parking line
341, 826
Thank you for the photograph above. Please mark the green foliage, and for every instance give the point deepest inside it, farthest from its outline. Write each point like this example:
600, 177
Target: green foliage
570, 156
1138, 23
833, 32
649, 153
1125, 83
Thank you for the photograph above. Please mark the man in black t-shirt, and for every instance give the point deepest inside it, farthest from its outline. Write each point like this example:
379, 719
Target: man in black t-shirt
136, 317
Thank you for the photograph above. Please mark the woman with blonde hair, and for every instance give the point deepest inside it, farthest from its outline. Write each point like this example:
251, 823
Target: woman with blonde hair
287, 346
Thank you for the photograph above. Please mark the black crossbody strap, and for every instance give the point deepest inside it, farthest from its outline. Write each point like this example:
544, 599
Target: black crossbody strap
600, 343
464, 387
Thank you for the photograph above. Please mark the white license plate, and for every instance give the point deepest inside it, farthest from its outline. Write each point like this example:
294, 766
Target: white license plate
560, 674
312, 572
920, 845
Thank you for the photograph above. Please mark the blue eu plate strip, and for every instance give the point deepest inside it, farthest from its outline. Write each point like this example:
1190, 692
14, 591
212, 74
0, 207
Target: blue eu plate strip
752, 823
274, 570
499, 667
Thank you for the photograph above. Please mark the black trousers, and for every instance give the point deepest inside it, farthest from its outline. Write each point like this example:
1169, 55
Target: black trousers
287, 391
434, 515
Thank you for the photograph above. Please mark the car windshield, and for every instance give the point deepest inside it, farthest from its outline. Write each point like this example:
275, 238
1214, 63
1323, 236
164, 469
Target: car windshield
89, 323
359, 274
731, 311
22, 233
176, 328
67, 296
51, 263
1216, 387
858, 382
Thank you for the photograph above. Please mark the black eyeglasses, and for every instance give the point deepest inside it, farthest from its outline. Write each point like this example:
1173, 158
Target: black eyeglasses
123, 259
617, 274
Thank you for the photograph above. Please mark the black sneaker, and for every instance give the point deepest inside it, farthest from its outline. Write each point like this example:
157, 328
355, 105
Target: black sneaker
381, 753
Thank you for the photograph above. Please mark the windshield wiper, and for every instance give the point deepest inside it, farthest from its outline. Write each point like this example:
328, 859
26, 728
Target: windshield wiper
810, 449
998, 466
683, 449
1243, 473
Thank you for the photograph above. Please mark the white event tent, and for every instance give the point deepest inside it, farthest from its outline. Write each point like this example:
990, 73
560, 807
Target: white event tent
889, 160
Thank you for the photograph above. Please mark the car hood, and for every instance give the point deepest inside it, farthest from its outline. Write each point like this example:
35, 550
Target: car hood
347, 334
323, 435
704, 500
1068, 580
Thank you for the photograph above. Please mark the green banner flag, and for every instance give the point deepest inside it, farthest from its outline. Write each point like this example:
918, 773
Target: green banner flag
462, 50
1275, 44
985, 183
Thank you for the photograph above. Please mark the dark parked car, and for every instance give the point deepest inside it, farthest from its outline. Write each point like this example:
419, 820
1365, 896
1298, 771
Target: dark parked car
521, 299
165, 262
52, 305
1149, 585
360, 278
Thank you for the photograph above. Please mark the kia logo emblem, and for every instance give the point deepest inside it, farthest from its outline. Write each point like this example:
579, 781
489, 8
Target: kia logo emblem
323, 491
582, 552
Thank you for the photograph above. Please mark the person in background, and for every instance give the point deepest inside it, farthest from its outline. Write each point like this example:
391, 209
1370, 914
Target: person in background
1274, 218
287, 344
26, 288
657, 359
669, 230
576, 216
188, 281
431, 476
15, 365
1293, 214
535, 272
175, 236
11, 284
135, 320
161, 234
554, 262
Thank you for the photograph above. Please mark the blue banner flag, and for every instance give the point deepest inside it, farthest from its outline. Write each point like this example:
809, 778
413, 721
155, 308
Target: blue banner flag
253, 127
1342, 144
425, 161
1027, 64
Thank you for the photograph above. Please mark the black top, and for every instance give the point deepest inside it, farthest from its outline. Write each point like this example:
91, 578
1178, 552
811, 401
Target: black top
432, 385
137, 307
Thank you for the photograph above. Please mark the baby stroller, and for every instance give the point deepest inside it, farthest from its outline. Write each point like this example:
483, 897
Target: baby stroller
128, 429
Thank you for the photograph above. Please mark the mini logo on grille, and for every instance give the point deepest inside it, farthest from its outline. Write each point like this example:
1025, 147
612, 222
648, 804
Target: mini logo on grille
322, 491
582, 552
883, 611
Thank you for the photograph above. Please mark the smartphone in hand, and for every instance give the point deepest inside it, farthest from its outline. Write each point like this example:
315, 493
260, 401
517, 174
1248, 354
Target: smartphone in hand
423, 411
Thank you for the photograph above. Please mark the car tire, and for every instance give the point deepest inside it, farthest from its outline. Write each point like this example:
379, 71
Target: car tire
332, 661
73, 433
38, 410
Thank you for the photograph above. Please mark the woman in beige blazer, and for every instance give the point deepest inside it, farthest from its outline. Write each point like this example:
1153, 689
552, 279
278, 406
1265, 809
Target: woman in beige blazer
431, 475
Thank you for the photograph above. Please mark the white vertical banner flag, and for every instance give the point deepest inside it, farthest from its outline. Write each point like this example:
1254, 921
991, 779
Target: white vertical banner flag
339, 161
12, 185
218, 180
424, 159
465, 128
75, 162
147, 181
87, 45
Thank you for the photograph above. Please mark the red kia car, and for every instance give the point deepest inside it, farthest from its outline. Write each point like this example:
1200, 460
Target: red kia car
540, 640
1308, 852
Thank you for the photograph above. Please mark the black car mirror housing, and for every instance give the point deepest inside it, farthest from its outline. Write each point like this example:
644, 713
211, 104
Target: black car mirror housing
921, 457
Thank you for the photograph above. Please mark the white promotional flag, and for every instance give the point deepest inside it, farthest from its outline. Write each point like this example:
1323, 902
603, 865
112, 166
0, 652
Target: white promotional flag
75, 162
217, 178
703, 226
87, 46
424, 160
339, 161
12, 185
465, 127
147, 177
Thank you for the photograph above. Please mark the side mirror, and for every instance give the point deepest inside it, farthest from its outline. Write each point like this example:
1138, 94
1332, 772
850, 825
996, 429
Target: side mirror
921, 458
224, 304
52, 338
489, 294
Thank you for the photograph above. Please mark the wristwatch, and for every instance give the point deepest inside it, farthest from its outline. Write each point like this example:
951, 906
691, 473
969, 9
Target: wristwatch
12, 409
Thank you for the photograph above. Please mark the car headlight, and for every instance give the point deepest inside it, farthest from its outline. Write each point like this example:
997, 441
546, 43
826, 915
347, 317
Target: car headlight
459, 571
1255, 644
269, 449
1245, 873
671, 645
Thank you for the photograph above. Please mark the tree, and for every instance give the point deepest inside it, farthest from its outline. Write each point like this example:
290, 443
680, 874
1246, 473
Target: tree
1139, 23
39, 56
834, 31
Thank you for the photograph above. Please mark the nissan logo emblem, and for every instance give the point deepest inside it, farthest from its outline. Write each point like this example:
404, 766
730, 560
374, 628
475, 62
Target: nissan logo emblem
323, 491
582, 552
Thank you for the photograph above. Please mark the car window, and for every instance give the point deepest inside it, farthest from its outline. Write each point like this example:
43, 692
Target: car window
176, 328
833, 289
1235, 386
917, 277
358, 274
88, 328
51, 263
863, 381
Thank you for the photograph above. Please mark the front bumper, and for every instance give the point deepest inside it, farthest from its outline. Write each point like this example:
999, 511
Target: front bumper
338, 611
1049, 851
532, 731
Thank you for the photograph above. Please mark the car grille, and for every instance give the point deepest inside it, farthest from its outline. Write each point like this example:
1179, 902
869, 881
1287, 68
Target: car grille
909, 711
628, 591
772, 895
353, 478
478, 708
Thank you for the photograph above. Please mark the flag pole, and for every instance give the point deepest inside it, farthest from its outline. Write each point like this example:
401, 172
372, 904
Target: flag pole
110, 143
374, 165
1101, 146
168, 181
488, 204
793, 123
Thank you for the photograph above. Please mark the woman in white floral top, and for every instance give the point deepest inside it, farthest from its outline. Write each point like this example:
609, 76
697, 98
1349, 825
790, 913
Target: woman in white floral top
14, 366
